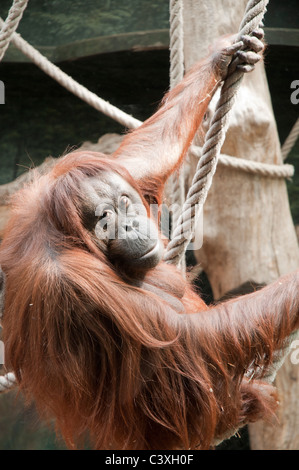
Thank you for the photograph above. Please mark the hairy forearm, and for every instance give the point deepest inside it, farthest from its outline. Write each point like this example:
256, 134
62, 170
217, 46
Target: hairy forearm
249, 328
162, 141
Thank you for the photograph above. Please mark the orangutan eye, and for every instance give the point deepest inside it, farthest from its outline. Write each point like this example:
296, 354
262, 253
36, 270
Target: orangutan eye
124, 203
106, 215
104, 219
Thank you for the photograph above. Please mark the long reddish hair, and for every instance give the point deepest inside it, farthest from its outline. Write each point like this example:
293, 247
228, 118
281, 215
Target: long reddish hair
107, 358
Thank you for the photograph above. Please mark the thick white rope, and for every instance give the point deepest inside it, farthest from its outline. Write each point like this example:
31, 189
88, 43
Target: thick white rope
11, 23
290, 140
176, 44
71, 85
214, 139
176, 74
268, 170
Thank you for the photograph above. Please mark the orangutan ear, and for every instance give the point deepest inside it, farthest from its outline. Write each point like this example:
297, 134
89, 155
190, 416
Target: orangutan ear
2, 291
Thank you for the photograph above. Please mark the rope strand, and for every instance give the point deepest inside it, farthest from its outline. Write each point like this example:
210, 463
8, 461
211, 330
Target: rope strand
11, 23
177, 68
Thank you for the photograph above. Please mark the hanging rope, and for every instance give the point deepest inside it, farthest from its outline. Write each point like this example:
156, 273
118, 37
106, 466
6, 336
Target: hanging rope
176, 36
206, 168
290, 140
11, 23
176, 45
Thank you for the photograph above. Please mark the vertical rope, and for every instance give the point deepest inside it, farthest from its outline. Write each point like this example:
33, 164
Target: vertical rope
176, 74
176, 42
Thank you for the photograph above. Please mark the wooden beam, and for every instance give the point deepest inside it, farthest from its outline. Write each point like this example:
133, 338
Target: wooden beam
282, 36
144, 40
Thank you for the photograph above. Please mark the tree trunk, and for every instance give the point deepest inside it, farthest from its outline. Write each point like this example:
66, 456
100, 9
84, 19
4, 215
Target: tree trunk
248, 231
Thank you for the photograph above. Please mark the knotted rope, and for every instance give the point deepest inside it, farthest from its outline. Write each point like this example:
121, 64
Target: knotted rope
206, 167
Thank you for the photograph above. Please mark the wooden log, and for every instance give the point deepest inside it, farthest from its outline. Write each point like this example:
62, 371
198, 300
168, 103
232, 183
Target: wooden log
248, 231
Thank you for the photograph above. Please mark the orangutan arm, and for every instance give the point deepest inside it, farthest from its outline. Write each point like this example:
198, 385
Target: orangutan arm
249, 328
156, 148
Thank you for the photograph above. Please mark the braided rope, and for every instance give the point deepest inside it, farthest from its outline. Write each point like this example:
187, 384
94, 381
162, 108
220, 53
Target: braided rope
176, 36
176, 74
255, 168
290, 140
206, 168
12, 22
